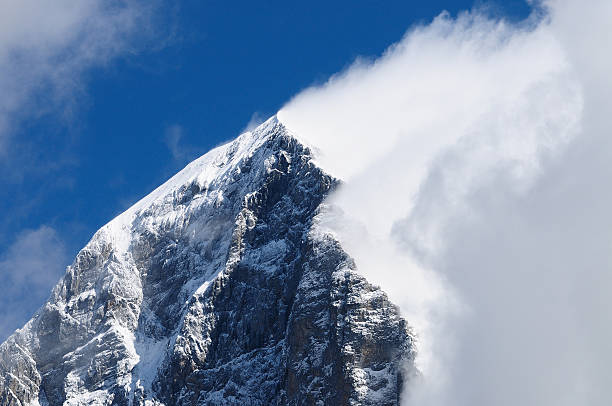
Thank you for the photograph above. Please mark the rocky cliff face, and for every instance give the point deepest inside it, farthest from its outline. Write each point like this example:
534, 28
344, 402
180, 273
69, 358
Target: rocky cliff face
216, 289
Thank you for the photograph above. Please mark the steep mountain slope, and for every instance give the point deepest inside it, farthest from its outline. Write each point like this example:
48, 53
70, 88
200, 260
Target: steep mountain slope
217, 288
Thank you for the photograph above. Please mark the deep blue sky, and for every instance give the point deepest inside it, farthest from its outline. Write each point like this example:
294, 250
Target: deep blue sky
213, 65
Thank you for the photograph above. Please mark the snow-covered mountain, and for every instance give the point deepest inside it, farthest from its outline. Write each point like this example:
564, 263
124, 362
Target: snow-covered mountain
218, 288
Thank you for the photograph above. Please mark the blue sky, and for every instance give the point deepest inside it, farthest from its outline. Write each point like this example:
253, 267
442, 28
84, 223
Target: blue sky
89, 133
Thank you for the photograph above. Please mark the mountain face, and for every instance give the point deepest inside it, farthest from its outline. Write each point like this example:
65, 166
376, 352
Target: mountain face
218, 288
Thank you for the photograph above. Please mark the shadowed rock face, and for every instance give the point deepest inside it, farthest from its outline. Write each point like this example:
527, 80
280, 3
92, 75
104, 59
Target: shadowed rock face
215, 289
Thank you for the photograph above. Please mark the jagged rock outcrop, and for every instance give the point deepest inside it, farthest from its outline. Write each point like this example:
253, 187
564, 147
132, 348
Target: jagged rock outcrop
216, 289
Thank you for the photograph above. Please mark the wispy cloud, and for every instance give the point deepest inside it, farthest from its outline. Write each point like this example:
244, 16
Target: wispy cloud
476, 155
28, 270
46, 48
254, 122
180, 151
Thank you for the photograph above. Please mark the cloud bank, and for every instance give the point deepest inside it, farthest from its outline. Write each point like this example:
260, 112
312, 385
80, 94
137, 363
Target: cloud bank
477, 161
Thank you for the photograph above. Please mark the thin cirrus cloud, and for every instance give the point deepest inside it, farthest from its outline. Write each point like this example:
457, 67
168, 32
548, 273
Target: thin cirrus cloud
476, 161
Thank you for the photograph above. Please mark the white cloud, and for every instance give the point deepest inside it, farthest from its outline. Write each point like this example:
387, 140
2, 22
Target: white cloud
28, 270
477, 160
46, 46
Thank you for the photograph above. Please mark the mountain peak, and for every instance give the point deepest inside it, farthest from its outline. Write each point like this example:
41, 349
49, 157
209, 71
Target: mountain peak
214, 289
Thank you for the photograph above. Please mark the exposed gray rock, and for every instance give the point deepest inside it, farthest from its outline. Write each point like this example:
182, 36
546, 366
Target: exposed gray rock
215, 290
